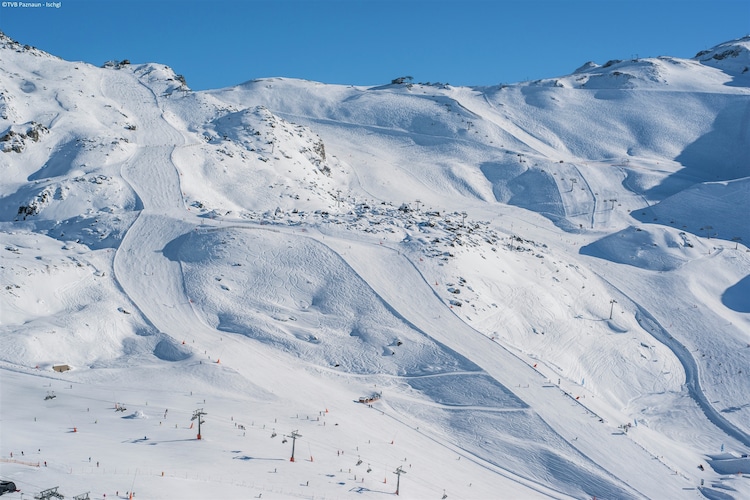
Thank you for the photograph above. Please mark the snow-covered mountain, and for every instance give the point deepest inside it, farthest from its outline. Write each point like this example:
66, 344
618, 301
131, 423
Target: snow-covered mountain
538, 290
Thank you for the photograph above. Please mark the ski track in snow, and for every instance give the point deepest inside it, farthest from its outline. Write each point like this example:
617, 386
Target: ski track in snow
535, 393
692, 372
159, 192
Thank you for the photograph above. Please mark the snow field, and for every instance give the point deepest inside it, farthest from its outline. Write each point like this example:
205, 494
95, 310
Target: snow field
273, 252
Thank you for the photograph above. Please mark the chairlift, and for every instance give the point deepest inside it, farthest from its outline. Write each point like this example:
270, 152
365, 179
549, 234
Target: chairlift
359, 462
369, 469
273, 434
283, 440
50, 395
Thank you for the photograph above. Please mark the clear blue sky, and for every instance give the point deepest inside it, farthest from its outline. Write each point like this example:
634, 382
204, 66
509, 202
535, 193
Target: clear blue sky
218, 43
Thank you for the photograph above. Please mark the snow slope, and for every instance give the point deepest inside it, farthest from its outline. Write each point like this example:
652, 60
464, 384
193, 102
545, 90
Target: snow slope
539, 290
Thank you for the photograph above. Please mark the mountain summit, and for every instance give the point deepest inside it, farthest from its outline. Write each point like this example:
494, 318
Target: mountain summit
731, 57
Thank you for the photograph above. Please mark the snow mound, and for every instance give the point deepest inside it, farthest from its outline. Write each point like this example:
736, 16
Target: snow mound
728, 463
653, 248
709, 210
168, 350
737, 297
138, 414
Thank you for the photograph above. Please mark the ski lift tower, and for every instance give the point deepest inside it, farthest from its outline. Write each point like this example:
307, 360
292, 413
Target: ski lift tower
398, 473
197, 414
294, 435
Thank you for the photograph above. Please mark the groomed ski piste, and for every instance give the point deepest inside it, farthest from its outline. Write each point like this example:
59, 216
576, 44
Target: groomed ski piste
538, 290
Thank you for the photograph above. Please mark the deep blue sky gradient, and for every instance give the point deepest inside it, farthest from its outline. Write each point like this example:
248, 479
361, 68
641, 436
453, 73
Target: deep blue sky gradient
362, 42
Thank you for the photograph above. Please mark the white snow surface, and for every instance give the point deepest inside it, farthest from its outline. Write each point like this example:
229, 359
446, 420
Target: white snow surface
539, 290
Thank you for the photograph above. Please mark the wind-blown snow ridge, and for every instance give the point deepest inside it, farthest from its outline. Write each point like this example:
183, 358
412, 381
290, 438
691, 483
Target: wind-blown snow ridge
535, 290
